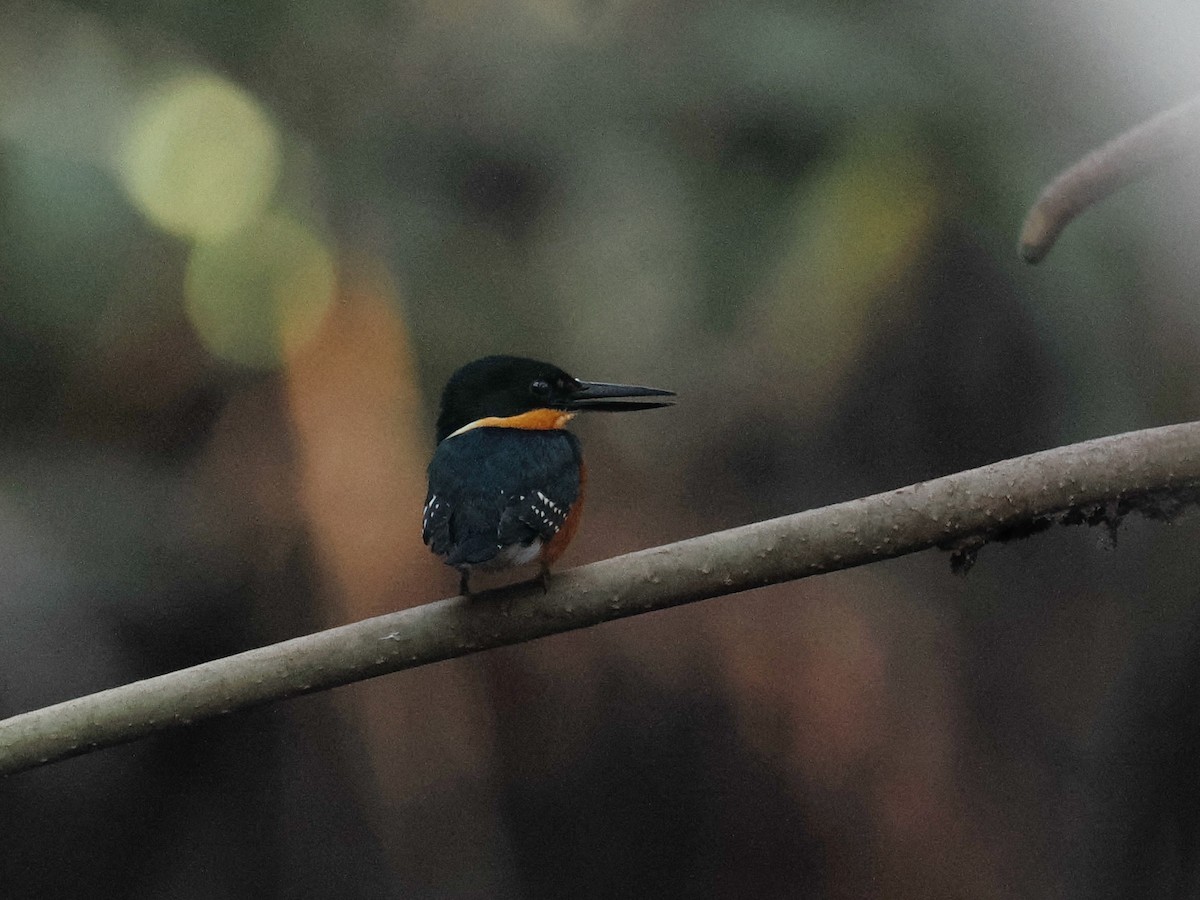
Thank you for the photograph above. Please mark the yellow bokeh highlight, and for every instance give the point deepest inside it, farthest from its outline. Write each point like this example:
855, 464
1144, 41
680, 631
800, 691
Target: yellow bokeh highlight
199, 157
260, 294
856, 239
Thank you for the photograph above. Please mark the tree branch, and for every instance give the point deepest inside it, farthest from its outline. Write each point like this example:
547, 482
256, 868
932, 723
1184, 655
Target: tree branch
1141, 150
1154, 471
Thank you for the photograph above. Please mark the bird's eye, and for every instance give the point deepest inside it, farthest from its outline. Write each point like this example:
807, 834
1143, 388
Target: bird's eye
540, 388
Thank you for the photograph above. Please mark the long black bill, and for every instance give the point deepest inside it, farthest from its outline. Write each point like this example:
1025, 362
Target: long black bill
595, 395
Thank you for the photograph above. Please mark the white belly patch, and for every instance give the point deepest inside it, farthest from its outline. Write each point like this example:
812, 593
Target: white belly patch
513, 555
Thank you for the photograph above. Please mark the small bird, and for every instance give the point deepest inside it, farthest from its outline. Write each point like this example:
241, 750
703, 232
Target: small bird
506, 481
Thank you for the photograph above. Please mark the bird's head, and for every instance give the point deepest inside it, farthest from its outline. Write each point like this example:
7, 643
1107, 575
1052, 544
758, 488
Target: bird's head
525, 393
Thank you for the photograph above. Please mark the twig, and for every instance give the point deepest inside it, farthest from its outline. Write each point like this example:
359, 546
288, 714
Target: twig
1142, 149
1097, 481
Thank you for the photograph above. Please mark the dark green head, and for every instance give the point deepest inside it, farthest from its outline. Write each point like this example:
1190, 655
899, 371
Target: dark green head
506, 386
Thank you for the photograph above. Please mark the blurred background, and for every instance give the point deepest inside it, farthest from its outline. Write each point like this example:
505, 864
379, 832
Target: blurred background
243, 244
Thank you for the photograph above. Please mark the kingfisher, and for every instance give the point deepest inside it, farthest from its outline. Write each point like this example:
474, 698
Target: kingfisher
506, 482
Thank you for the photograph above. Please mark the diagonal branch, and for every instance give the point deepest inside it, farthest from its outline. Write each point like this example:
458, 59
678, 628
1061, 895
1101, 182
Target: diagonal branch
1141, 150
1154, 472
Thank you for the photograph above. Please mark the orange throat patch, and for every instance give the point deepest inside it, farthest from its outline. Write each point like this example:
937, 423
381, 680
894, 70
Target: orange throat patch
534, 420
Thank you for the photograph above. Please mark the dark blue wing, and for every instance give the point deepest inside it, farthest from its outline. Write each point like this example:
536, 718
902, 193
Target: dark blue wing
491, 488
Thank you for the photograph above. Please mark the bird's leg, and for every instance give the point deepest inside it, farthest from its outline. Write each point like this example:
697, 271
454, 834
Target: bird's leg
544, 578
463, 587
